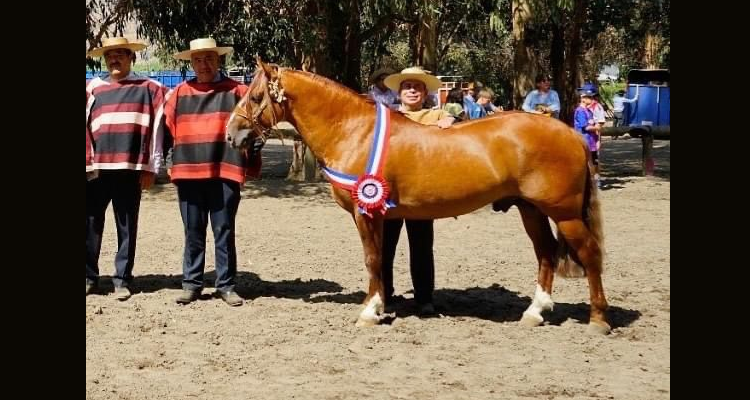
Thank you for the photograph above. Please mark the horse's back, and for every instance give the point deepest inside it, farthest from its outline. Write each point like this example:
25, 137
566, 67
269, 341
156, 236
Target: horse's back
453, 171
517, 135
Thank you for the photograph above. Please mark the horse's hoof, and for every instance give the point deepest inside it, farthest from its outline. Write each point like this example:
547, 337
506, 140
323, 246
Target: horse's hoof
367, 322
599, 328
531, 320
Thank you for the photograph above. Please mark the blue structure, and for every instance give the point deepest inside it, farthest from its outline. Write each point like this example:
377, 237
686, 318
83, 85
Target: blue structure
650, 114
171, 79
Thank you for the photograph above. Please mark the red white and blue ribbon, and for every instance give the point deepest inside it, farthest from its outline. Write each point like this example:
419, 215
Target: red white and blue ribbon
370, 190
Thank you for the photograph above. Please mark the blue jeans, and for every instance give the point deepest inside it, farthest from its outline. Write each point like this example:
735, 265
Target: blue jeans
200, 200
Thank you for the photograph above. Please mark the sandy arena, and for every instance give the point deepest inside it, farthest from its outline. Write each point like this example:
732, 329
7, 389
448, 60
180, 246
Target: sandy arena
302, 273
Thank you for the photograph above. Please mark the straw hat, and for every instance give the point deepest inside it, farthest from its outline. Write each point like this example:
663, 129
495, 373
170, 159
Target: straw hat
203, 44
432, 83
115, 43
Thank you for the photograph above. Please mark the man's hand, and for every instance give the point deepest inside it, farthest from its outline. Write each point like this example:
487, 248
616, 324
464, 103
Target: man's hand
147, 180
445, 122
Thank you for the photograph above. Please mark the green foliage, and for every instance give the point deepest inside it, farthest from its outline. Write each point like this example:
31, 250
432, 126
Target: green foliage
251, 27
474, 36
608, 90
103, 17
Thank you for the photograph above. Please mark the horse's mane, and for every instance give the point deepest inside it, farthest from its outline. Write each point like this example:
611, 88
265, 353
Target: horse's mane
348, 96
326, 83
337, 90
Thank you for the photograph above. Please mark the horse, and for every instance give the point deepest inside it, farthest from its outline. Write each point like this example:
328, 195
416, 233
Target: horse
536, 163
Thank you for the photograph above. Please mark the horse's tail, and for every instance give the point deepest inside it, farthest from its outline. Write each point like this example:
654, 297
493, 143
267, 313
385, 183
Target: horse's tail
568, 264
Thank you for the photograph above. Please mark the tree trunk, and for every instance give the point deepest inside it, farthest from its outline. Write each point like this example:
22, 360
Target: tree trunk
297, 168
312, 58
352, 48
570, 100
304, 167
318, 62
414, 43
651, 47
524, 59
428, 37
557, 57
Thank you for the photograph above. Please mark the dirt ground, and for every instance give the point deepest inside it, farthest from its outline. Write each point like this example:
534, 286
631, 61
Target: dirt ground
302, 274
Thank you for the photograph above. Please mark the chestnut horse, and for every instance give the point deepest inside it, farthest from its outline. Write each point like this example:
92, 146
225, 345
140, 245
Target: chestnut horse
536, 163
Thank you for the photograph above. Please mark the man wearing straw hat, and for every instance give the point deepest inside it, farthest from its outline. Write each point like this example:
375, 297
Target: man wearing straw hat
207, 171
123, 152
413, 85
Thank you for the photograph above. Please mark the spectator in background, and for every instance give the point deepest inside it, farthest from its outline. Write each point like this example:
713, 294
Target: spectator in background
543, 100
472, 110
379, 92
454, 104
584, 123
618, 101
484, 100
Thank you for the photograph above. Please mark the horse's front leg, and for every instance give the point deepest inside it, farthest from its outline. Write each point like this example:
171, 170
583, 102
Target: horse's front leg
371, 233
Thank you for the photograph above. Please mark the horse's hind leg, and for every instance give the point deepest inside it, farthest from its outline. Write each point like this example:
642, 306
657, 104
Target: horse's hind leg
583, 242
371, 233
538, 228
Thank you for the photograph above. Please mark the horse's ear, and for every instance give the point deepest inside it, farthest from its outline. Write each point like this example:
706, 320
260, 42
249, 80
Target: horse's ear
268, 69
259, 62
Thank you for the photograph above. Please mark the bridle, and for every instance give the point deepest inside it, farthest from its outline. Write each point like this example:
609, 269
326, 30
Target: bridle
273, 92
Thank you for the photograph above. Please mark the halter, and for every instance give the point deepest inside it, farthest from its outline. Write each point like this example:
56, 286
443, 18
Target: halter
273, 92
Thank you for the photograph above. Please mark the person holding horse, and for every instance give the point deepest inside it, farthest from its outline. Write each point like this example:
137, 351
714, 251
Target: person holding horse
412, 85
123, 152
208, 172
543, 100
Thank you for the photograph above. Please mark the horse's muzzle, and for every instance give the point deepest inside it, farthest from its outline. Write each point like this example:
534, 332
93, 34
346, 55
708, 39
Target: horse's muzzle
239, 138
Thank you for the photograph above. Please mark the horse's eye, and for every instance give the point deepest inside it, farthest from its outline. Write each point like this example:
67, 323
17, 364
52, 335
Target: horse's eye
257, 98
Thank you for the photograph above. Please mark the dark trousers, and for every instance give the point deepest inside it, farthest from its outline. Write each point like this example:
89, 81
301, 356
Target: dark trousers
421, 260
123, 189
618, 118
199, 200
